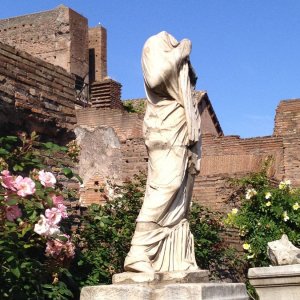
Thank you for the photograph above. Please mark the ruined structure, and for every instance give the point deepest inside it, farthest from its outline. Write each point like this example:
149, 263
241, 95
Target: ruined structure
53, 79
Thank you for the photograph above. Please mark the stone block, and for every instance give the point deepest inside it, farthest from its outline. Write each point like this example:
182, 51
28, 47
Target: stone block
186, 291
161, 278
276, 283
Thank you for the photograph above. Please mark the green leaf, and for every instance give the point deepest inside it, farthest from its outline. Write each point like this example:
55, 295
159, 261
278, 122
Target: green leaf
12, 201
3, 151
39, 205
80, 263
62, 238
67, 172
16, 272
10, 258
17, 168
78, 178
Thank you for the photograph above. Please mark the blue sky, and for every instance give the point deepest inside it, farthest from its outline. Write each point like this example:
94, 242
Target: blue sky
246, 52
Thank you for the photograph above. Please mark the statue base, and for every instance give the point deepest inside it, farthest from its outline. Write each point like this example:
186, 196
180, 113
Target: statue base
277, 282
161, 278
169, 285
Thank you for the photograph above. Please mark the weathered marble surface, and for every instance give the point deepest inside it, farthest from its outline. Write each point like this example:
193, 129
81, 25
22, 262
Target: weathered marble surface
276, 283
186, 291
198, 276
162, 241
283, 252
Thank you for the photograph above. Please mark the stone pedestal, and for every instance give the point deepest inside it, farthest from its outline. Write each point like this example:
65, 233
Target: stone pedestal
277, 282
159, 286
161, 278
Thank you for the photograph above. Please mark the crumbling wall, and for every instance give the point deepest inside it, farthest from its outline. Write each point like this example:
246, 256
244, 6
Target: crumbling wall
126, 125
287, 119
97, 53
100, 160
232, 157
58, 36
223, 157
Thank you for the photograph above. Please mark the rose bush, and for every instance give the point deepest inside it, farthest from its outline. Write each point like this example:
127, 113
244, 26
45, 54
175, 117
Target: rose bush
35, 246
41, 258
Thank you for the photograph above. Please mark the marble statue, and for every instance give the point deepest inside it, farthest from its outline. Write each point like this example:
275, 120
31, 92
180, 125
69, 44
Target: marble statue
162, 241
283, 252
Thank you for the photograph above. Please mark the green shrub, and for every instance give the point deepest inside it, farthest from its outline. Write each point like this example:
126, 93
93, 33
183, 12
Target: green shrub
35, 248
266, 210
107, 230
38, 262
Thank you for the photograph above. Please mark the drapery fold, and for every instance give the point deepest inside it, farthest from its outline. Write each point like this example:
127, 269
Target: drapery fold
172, 136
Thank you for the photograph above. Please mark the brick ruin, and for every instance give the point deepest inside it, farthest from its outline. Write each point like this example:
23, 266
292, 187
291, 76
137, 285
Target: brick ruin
53, 79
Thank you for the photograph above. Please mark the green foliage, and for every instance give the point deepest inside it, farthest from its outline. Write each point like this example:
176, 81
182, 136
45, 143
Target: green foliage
135, 106
106, 233
26, 270
102, 240
266, 211
211, 251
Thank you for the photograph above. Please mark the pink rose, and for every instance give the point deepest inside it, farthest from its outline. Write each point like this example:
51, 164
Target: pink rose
47, 179
13, 212
63, 210
8, 181
56, 248
57, 200
43, 227
25, 186
53, 215
70, 249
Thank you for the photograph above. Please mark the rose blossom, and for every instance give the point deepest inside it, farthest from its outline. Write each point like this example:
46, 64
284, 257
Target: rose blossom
43, 227
47, 178
53, 215
56, 247
63, 210
250, 193
57, 200
70, 249
13, 212
25, 186
7, 180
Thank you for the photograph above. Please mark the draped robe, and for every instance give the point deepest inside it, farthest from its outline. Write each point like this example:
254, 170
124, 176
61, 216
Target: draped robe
172, 137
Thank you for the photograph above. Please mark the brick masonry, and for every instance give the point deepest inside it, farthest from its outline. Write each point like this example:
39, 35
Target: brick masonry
34, 92
58, 36
106, 94
98, 53
223, 157
38, 92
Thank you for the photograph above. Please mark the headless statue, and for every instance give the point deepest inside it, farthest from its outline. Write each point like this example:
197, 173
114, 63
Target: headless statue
162, 241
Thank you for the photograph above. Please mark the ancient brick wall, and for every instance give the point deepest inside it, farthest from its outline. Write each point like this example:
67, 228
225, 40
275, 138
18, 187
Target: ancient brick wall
100, 158
106, 94
287, 125
113, 150
79, 43
58, 36
34, 92
135, 157
126, 125
287, 119
291, 144
222, 156
97, 53
230, 157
